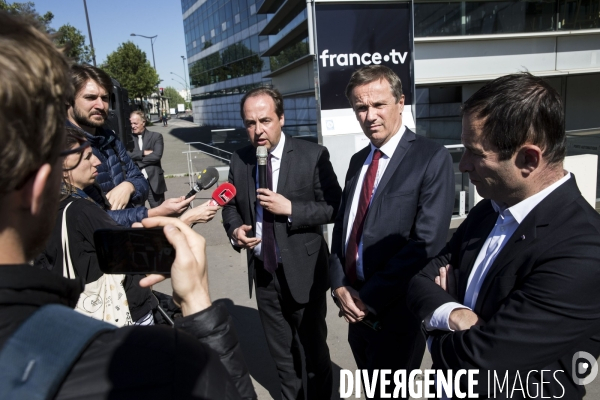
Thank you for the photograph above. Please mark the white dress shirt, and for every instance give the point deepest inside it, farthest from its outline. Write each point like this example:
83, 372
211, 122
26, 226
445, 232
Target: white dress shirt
387, 151
276, 153
507, 223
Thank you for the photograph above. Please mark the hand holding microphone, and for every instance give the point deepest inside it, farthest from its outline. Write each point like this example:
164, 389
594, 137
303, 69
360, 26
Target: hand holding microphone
223, 194
269, 200
205, 212
206, 179
261, 161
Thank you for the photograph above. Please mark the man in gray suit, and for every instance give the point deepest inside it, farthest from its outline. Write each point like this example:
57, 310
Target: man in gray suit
281, 229
147, 152
395, 213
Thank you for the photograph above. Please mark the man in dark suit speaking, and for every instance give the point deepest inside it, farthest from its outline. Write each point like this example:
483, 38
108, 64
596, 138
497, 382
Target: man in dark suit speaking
395, 212
147, 152
520, 300
281, 229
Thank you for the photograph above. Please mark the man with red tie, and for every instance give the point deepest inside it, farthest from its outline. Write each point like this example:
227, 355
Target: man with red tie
395, 213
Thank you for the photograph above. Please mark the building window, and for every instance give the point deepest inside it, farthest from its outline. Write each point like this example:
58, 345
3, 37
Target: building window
289, 54
237, 60
438, 113
484, 17
581, 14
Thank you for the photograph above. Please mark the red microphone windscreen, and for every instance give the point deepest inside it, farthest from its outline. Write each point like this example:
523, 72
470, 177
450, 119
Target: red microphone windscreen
223, 194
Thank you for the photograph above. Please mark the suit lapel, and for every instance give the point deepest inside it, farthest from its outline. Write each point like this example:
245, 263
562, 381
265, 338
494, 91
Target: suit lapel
250, 164
523, 237
473, 247
394, 162
285, 165
532, 228
136, 145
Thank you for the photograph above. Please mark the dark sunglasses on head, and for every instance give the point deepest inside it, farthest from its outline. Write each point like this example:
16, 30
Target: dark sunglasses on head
83, 144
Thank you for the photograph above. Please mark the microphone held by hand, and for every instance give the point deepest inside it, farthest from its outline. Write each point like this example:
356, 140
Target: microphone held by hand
223, 194
261, 160
206, 179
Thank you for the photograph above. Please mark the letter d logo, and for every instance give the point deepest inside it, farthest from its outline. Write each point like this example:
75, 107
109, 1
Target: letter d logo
580, 368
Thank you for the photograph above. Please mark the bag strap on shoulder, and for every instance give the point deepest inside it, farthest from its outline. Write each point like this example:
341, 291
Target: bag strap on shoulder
37, 357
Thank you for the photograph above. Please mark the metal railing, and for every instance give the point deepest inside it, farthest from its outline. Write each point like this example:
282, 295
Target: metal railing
190, 156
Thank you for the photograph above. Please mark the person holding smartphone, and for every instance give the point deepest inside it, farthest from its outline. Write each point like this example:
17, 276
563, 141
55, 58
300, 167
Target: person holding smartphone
83, 217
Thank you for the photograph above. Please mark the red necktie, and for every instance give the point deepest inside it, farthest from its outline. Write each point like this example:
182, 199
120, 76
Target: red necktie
361, 213
268, 232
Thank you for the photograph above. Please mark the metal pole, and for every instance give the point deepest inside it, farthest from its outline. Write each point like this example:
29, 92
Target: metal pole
89, 32
187, 86
181, 83
159, 100
153, 60
309, 20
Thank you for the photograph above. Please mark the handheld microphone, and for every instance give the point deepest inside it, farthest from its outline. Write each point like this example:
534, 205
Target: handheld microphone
222, 195
261, 161
206, 179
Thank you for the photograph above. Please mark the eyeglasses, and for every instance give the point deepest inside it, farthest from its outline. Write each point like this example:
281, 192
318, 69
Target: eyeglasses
83, 144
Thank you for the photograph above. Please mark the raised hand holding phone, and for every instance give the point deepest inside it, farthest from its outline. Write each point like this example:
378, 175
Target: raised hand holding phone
189, 273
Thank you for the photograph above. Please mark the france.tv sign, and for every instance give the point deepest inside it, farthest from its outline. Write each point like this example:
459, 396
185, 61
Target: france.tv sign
350, 36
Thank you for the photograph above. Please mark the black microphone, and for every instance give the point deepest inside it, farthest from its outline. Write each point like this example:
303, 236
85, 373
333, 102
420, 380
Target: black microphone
261, 161
206, 179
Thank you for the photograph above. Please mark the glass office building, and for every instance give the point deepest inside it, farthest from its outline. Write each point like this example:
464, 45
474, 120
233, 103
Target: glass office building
234, 45
224, 57
230, 50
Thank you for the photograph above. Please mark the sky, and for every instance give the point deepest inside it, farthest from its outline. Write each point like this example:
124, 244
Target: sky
113, 21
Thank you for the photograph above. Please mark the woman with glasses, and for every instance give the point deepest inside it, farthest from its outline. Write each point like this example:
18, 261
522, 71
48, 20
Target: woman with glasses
83, 217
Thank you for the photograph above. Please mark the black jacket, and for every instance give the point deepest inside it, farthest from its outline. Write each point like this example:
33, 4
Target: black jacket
151, 141
539, 300
307, 180
83, 218
134, 362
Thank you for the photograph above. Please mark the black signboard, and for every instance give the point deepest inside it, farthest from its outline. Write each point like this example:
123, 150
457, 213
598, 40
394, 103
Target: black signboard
351, 35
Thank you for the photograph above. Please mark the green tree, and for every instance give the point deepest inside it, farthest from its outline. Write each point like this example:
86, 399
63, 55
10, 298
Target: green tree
27, 9
77, 50
174, 97
129, 65
66, 35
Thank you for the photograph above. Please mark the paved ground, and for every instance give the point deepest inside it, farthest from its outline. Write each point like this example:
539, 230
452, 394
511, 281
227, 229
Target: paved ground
228, 273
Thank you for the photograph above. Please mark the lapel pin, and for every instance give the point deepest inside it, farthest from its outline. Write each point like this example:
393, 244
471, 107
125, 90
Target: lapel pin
522, 237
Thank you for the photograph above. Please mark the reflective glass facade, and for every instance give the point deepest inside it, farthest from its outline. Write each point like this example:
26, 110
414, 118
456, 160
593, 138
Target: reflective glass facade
217, 20
235, 61
289, 54
223, 49
453, 18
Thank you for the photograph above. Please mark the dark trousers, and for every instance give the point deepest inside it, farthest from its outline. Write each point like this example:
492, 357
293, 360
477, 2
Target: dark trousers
155, 199
284, 322
386, 349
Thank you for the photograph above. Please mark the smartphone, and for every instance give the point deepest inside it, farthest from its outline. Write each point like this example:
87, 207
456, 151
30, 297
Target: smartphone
134, 251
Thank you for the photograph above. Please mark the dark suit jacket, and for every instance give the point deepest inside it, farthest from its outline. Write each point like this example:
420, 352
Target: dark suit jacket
152, 141
306, 178
540, 299
407, 221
